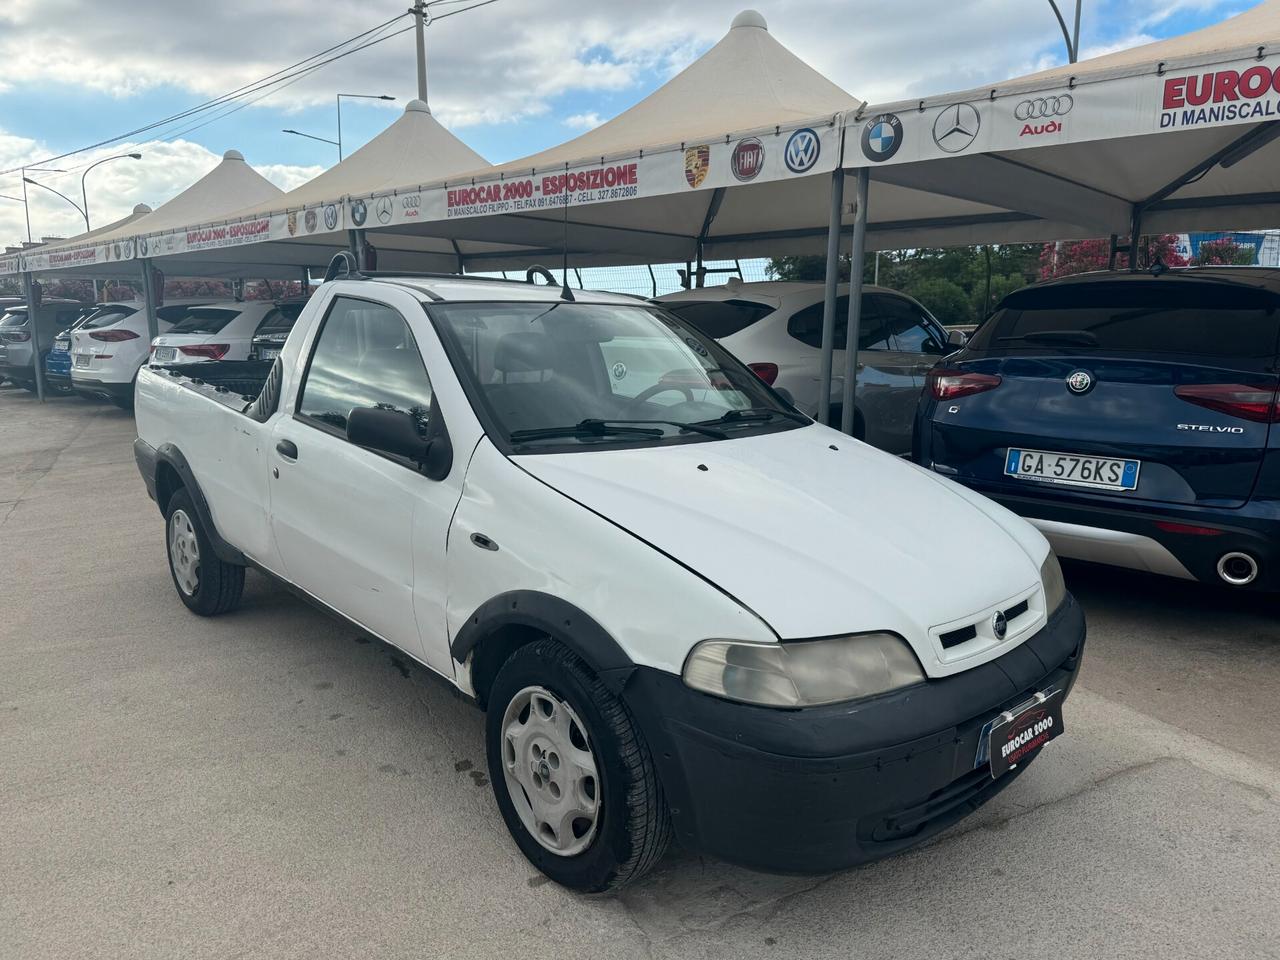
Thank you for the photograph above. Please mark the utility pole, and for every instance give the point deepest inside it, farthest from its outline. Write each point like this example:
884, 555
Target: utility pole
419, 10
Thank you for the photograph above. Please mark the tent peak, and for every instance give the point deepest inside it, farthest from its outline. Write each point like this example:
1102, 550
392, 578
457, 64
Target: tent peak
417, 106
233, 155
141, 209
749, 18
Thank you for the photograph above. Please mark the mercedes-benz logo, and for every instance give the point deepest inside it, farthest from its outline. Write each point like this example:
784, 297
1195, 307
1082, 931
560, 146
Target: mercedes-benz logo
383, 209
1042, 107
1080, 381
956, 126
999, 625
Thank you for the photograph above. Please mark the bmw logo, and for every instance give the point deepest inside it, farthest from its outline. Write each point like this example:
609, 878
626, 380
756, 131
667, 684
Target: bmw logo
881, 137
999, 625
1080, 381
802, 150
359, 213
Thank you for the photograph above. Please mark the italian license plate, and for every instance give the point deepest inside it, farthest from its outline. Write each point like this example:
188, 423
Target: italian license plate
166, 354
82, 359
62, 346
1020, 733
1071, 469
270, 353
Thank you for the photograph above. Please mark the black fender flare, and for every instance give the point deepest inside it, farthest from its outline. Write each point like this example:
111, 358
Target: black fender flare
169, 454
553, 616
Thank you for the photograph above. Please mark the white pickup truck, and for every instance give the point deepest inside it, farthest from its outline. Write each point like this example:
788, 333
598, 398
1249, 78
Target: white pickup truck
688, 610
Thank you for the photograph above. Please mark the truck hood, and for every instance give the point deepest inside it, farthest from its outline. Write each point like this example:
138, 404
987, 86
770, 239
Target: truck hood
819, 535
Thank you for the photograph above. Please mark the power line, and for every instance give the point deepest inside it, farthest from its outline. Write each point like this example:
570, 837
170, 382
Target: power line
240, 92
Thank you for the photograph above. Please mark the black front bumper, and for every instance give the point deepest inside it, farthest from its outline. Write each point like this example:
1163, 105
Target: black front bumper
820, 789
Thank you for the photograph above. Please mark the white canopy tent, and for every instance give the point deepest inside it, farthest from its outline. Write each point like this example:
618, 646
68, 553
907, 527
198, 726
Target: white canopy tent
732, 143
1162, 137
11, 262
120, 251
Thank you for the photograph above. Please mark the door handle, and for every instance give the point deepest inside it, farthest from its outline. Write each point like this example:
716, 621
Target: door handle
287, 449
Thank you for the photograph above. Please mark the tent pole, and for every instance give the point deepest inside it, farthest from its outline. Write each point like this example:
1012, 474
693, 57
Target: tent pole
829, 306
653, 280
1135, 233
862, 183
28, 290
149, 302
417, 9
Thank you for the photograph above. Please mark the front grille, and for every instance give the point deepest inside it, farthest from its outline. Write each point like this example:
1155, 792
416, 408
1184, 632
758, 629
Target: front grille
953, 638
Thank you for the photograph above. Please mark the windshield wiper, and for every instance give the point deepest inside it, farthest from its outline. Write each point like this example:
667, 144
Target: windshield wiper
1072, 338
755, 414
589, 428
691, 427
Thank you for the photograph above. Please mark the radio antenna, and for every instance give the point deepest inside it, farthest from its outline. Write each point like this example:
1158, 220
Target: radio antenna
565, 292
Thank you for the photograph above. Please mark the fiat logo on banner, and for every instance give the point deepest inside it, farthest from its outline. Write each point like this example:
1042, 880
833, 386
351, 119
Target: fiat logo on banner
748, 159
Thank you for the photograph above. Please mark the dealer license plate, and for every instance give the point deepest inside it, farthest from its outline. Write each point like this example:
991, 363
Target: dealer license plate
1020, 733
83, 359
166, 354
1070, 469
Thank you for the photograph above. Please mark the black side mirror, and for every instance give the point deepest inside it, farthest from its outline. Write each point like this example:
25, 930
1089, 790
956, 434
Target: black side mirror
396, 433
957, 338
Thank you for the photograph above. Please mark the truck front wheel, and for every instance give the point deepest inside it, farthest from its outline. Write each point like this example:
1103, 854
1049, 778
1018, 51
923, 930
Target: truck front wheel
571, 772
206, 584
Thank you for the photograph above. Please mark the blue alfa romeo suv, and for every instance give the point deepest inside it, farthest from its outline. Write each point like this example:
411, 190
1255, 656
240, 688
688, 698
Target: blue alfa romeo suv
1130, 416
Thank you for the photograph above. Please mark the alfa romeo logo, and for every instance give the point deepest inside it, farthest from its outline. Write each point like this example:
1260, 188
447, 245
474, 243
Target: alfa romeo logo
881, 137
802, 151
1080, 381
956, 126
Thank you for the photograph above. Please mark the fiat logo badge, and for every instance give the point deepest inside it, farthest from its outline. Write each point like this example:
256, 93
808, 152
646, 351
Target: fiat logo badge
999, 625
1080, 381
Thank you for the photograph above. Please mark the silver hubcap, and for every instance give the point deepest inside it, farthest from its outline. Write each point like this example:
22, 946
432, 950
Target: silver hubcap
550, 771
184, 552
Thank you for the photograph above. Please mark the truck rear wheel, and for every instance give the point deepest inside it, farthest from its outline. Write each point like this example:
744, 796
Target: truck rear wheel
571, 772
206, 584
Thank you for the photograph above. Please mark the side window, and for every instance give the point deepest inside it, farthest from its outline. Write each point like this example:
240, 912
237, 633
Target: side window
806, 325
911, 330
365, 356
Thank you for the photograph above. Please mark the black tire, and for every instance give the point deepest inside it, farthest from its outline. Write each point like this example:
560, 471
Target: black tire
634, 827
219, 584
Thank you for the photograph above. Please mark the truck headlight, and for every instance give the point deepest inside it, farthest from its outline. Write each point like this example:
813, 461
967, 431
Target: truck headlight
804, 673
1055, 588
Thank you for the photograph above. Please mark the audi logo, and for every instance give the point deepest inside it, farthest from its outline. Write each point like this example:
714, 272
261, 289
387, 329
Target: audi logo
1044, 107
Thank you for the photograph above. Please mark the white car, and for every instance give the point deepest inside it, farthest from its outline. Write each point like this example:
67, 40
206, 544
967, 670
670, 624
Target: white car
217, 331
701, 616
776, 329
109, 348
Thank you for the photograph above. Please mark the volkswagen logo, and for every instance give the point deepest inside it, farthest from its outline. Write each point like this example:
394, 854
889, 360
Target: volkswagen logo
1043, 107
999, 625
331, 217
359, 213
802, 151
383, 209
956, 126
881, 137
1080, 381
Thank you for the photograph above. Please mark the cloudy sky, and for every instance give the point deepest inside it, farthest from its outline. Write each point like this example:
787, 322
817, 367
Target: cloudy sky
510, 78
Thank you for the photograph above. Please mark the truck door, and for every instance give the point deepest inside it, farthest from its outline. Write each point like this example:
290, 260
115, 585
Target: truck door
351, 525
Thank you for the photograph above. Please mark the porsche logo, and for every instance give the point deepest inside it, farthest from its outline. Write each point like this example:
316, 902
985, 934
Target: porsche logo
697, 161
293, 222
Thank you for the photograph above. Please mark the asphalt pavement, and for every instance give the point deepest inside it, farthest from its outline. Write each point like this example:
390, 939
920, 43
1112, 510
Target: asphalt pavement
269, 784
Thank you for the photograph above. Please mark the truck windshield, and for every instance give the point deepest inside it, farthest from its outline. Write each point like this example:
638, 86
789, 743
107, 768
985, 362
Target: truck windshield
560, 376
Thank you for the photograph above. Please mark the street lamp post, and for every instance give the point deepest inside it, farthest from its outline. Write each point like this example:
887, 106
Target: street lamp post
26, 207
354, 96
312, 136
37, 183
1072, 37
84, 193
